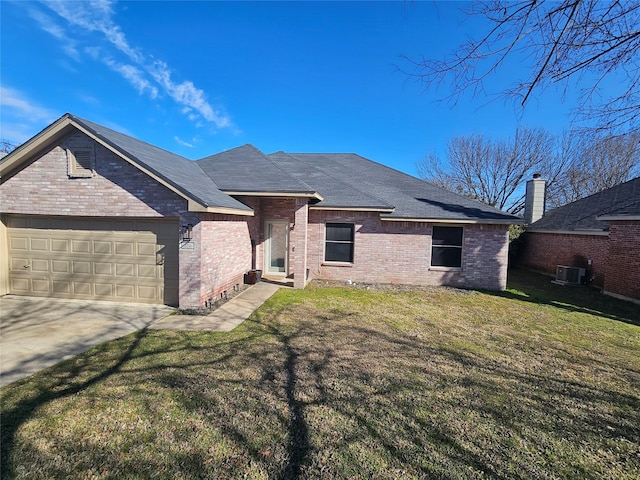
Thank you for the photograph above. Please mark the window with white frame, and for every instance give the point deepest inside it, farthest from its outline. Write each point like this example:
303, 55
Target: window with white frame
446, 247
80, 162
339, 240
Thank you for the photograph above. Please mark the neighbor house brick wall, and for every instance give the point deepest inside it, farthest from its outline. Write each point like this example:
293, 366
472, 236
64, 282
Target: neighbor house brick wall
225, 255
622, 270
545, 251
400, 252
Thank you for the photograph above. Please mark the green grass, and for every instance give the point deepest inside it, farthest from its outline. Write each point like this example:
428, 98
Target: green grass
536, 382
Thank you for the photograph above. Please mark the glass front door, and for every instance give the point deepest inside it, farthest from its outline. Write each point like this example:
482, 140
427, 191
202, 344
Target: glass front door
277, 247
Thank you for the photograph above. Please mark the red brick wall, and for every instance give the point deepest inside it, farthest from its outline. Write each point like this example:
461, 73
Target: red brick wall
545, 251
622, 271
225, 256
400, 252
117, 189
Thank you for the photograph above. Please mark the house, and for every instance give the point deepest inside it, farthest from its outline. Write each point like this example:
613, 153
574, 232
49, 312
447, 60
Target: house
600, 233
91, 213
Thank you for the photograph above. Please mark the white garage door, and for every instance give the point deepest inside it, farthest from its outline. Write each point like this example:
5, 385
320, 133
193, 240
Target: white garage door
104, 259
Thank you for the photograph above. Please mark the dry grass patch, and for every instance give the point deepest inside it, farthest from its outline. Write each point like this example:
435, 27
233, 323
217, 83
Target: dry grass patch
536, 382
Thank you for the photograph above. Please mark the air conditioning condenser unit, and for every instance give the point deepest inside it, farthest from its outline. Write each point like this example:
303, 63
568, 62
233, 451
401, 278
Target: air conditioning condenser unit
569, 275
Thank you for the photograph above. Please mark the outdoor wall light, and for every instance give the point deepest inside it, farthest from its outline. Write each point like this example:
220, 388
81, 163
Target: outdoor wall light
185, 233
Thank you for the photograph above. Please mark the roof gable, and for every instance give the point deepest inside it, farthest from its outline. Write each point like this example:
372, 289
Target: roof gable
246, 169
177, 173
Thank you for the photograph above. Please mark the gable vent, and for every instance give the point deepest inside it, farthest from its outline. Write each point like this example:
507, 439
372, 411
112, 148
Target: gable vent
80, 162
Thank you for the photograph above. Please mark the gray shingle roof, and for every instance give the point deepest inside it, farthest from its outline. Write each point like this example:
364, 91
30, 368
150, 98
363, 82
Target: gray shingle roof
332, 186
367, 181
247, 169
581, 215
183, 174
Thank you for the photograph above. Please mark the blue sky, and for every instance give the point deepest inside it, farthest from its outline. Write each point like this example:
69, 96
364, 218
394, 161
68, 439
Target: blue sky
197, 78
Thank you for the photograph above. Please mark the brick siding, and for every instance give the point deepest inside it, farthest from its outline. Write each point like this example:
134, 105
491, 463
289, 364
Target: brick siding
400, 252
225, 256
545, 251
622, 270
215, 259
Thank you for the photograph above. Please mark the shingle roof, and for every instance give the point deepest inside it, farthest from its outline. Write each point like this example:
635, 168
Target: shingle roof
247, 169
334, 188
582, 215
350, 180
183, 174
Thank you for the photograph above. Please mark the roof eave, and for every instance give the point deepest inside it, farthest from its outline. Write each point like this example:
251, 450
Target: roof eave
515, 221
198, 207
618, 217
353, 209
569, 232
267, 193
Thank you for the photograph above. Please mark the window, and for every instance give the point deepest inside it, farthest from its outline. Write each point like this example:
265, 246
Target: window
446, 247
339, 242
80, 162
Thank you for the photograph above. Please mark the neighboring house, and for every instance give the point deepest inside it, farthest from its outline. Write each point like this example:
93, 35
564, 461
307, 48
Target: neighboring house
600, 233
91, 213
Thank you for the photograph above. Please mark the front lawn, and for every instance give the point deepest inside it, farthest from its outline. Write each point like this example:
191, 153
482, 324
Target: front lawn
536, 382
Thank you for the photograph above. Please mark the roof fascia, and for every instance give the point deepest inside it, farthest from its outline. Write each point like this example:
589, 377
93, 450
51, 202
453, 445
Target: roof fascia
516, 221
198, 207
618, 217
353, 209
314, 195
601, 233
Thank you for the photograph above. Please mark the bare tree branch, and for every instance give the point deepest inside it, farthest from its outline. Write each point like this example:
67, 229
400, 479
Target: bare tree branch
566, 42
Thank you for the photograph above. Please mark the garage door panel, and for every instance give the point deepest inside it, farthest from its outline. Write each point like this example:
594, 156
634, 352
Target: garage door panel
80, 246
19, 243
60, 266
94, 259
39, 265
41, 286
82, 289
39, 245
20, 285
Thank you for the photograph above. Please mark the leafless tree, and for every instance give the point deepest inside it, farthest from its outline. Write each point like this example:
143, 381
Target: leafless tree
6, 147
495, 171
589, 43
596, 162
492, 171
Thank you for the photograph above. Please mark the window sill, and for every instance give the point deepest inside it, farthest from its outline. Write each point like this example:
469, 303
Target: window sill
446, 269
336, 264
80, 175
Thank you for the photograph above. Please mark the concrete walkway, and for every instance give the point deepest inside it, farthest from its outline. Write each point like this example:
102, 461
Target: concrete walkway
225, 318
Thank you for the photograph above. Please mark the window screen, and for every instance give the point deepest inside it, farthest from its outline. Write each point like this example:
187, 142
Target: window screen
446, 249
339, 242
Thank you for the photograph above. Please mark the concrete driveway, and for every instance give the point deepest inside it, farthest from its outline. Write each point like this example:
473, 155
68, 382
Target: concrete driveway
36, 333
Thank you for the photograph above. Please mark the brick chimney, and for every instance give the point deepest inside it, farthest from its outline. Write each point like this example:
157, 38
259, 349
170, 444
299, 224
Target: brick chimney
534, 199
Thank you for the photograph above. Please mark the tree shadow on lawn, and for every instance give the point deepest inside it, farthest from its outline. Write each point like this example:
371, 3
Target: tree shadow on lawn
538, 288
335, 396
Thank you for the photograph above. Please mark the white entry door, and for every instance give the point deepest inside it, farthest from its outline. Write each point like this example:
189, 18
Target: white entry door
277, 247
